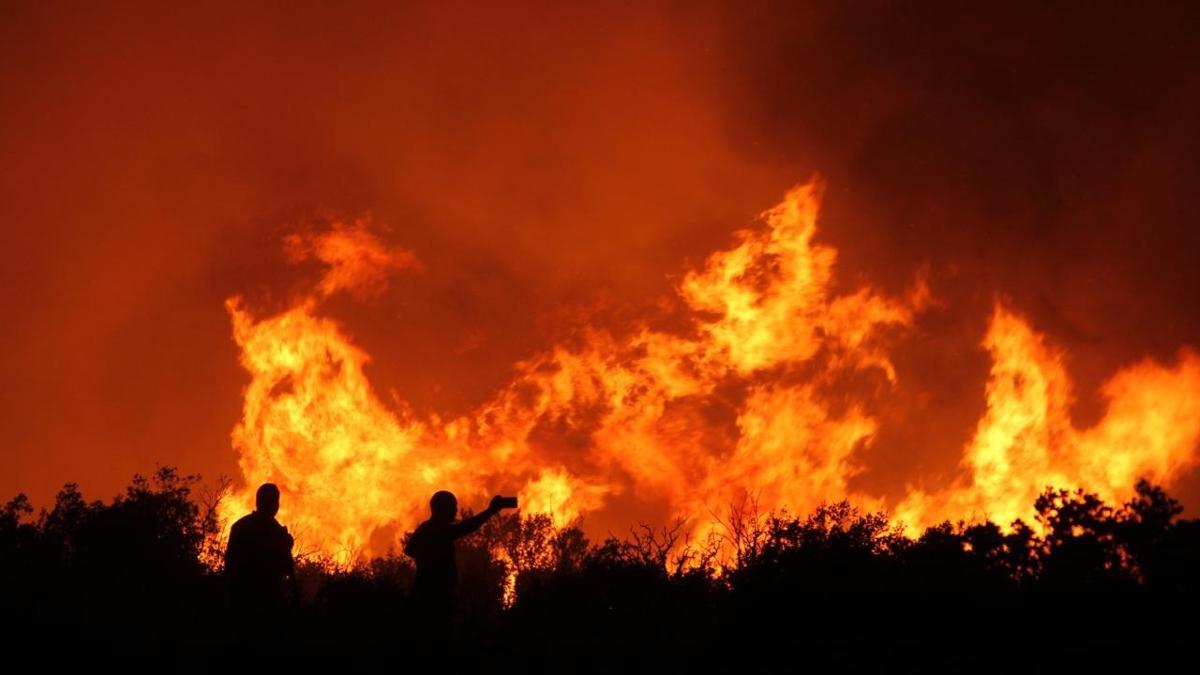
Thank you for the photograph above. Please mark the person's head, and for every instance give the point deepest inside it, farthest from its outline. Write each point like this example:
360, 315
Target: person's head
266, 500
443, 506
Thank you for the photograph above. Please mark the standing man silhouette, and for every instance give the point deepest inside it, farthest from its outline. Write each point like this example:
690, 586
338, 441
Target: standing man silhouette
258, 558
432, 547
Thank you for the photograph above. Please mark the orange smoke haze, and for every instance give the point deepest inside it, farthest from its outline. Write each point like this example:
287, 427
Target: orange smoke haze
516, 248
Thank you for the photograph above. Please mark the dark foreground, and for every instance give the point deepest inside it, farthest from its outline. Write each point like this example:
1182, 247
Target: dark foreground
1105, 588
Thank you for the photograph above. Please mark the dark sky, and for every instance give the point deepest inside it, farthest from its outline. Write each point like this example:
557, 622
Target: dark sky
548, 160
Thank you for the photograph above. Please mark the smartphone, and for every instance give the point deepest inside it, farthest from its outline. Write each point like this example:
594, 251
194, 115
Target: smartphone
508, 502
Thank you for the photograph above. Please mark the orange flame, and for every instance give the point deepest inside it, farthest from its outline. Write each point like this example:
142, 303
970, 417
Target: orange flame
749, 401
1026, 441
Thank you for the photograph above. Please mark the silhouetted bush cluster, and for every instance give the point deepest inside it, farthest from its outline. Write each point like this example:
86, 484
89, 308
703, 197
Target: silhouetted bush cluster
838, 588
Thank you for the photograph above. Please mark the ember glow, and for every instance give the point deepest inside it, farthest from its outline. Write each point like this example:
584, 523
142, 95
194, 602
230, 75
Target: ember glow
765, 397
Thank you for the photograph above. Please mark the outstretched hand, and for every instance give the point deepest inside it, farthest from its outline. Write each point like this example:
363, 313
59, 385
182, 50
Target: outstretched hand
497, 503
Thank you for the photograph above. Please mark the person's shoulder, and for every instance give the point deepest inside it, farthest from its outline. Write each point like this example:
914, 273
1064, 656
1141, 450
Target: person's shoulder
416, 540
256, 522
428, 529
243, 522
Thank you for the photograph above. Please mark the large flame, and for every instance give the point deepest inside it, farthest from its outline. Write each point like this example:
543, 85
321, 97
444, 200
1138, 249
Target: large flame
761, 397
1027, 442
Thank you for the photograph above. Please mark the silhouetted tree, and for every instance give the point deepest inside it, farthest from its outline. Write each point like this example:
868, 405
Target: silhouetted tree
836, 589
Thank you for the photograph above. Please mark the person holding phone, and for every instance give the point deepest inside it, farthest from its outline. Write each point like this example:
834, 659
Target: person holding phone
432, 547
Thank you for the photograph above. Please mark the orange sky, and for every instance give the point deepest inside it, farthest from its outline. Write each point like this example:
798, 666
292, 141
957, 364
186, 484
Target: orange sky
552, 166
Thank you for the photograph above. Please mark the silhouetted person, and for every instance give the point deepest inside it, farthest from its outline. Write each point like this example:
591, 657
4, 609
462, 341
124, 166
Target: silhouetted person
258, 559
432, 547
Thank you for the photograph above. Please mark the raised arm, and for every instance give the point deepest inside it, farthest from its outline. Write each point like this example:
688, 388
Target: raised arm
468, 525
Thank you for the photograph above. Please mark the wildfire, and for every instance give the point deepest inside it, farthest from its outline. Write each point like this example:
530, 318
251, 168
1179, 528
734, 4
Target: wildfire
752, 400
1026, 441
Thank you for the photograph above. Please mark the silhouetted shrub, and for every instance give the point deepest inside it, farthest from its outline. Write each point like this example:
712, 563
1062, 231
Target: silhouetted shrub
836, 589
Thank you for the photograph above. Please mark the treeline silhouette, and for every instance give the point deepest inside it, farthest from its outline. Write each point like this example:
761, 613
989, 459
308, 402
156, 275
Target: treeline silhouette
837, 588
